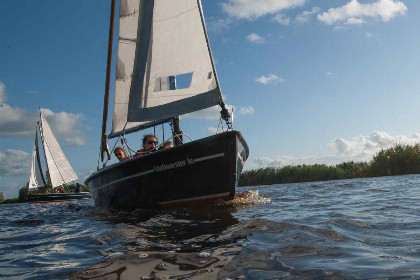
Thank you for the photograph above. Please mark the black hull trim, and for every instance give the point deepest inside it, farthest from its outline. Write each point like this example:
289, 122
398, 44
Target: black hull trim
194, 173
57, 197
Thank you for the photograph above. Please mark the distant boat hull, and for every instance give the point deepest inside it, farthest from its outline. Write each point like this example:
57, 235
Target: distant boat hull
57, 197
193, 173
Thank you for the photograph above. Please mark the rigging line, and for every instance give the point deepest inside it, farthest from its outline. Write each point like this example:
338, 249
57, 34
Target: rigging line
131, 150
220, 121
175, 134
124, 141
112, 150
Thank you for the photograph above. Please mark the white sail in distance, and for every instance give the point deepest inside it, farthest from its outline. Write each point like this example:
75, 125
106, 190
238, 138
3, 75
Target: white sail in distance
36, 179
159, 39
60, 170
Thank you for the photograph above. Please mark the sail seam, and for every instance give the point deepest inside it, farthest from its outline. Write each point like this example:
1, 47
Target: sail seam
178, 15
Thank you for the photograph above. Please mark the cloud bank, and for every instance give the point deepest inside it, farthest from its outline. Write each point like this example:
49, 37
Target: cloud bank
354, 12
359, 148
18, 122
14, 163
251, 9
305, 16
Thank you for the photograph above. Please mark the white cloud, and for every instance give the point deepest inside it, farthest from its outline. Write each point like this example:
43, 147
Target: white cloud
353, 21
354, 12
212, 113
212, 129
367, 146
251, 9
255, 38
360, 148
306, 15
282, 19
271, 78
14, 163
18, 122
368, 35
246, 110
2, 93
283, 160
64, 126
328, 73
218, 25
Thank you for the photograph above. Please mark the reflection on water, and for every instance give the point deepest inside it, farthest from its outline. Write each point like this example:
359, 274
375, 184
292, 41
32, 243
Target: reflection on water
351, 229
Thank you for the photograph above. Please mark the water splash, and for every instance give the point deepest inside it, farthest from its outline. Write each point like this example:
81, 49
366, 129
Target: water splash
248, 198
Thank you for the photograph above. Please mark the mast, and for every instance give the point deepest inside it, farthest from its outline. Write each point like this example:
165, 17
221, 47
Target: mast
104, 145
176, 134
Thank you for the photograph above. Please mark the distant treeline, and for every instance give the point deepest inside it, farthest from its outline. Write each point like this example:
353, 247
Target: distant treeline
398, 160
23, 193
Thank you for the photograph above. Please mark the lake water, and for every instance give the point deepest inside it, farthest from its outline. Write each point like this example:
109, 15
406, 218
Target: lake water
349, 229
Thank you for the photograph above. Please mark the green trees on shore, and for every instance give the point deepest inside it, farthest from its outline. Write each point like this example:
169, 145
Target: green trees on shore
24, 192
397, 160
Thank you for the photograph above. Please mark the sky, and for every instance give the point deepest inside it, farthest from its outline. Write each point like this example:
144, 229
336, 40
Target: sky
309, 81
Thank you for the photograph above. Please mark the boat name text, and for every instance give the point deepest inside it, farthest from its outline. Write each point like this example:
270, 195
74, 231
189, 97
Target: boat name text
176, 164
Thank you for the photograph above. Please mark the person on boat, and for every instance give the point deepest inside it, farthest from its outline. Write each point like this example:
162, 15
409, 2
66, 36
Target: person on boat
120, 153
166, 145
149, 145
77, 188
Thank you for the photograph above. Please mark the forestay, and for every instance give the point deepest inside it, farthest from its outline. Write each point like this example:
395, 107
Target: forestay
59, 168
36, 179
159, 39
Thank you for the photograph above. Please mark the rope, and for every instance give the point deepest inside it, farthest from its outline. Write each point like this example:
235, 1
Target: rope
220, 121
112, 150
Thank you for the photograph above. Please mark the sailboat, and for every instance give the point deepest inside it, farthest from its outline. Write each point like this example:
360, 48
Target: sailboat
59, 169
159, 41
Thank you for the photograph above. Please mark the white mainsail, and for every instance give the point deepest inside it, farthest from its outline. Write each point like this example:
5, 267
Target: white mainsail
159, 39
60, 170
36, 179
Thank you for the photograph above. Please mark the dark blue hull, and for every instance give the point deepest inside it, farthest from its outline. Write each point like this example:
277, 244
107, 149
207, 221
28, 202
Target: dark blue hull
200, 171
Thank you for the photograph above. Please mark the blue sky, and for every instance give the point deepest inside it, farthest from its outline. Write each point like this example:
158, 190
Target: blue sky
310, 81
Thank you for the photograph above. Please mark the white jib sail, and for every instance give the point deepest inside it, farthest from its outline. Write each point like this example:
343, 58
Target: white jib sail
36, 179
158, 39
60, 170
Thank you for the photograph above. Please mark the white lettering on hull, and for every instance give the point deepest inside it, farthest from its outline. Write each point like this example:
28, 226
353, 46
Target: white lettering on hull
163, 167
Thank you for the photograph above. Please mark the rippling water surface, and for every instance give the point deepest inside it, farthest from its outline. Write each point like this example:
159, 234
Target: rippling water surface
350, 229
